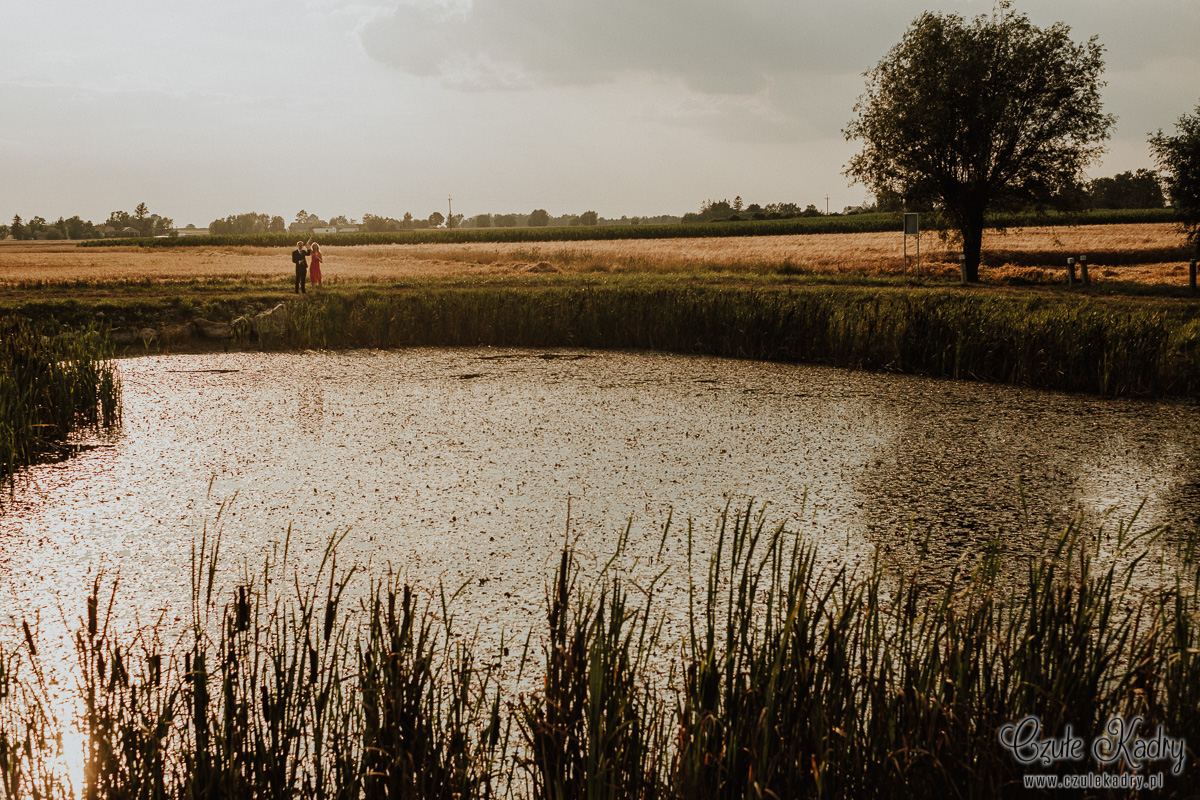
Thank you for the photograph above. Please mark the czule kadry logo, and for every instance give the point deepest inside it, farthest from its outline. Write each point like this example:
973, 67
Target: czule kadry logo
1120, 742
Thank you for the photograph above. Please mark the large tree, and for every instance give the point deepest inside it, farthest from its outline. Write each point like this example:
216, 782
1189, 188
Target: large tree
1179, 157
967, 116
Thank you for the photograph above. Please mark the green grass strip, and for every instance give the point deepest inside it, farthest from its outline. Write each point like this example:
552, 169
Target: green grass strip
855, 223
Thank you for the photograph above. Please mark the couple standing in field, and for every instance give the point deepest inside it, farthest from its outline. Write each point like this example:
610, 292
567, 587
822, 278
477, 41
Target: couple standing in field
299, 260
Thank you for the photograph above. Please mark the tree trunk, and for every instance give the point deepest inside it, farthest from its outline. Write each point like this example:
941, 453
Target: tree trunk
972, 241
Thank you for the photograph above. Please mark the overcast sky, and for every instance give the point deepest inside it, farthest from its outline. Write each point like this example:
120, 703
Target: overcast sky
634, 107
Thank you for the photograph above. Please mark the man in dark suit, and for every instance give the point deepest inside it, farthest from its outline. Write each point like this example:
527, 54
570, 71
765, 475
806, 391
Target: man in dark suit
300, 262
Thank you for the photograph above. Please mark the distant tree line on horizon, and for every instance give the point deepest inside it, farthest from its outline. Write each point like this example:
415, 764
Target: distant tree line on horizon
1129, 189
1126, 190
538, 218
1141, 189
120, 224
724, 210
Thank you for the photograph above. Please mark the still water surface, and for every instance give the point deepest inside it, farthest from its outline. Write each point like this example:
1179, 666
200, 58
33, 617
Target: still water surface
461, 465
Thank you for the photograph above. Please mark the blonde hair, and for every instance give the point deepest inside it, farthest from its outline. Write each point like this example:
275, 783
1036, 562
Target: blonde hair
316, 247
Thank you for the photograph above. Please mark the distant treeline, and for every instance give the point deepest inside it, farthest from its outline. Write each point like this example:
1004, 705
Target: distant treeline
852, 223
736, 211
1125, 191
140, 223
538, 218
1141, 189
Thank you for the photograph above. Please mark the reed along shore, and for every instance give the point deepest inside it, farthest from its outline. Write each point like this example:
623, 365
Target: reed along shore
789, 681
52, 388
1032, 340
1107, 345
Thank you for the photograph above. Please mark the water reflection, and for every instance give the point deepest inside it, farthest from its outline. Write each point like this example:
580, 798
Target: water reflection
458, 464
966, 466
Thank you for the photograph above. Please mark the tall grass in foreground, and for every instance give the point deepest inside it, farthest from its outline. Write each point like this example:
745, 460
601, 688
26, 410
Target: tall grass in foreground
1067, 343
50, 388
792, 681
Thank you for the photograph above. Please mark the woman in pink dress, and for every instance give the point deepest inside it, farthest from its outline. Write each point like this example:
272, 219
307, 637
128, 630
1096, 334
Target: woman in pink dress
314, 266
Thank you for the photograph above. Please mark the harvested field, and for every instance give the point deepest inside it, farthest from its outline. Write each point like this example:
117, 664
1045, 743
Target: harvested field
1147, 253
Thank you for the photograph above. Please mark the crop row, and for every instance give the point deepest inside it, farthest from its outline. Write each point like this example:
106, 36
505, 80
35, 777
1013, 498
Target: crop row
857, 223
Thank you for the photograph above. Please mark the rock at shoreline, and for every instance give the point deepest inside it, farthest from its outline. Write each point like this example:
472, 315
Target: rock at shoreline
271, 323
176, 333
207, 329
124, 335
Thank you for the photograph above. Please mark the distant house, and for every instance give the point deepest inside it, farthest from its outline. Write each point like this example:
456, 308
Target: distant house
329, 229
335, 229
191, 231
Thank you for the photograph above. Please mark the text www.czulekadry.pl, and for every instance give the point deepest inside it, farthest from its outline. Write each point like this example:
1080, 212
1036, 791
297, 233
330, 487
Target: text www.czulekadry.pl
1119, 746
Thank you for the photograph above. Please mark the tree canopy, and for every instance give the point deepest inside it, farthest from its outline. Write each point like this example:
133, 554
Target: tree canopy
966, 116
1141, 189
248, 223
1179, 158
141, 221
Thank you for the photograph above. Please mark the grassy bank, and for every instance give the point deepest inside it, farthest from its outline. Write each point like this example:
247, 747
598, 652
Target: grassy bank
856, 223
1110, 345
51, 388
1071, 344
790, 682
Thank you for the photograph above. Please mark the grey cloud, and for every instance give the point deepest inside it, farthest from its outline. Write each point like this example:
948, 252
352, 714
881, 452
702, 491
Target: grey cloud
715, 47
772, 70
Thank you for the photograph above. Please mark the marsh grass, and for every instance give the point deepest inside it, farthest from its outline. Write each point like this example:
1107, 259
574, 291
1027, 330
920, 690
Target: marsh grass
51, 389
1068, 343
600, 728
802, 684
792, 680
277, 689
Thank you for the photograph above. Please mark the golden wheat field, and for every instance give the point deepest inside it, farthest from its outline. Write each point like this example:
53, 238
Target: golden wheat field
1143, 252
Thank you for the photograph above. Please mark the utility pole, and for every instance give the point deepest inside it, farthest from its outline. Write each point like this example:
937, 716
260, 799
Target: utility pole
827, 205
449, 211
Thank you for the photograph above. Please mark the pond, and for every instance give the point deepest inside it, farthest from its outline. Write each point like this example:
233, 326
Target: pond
474, 465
